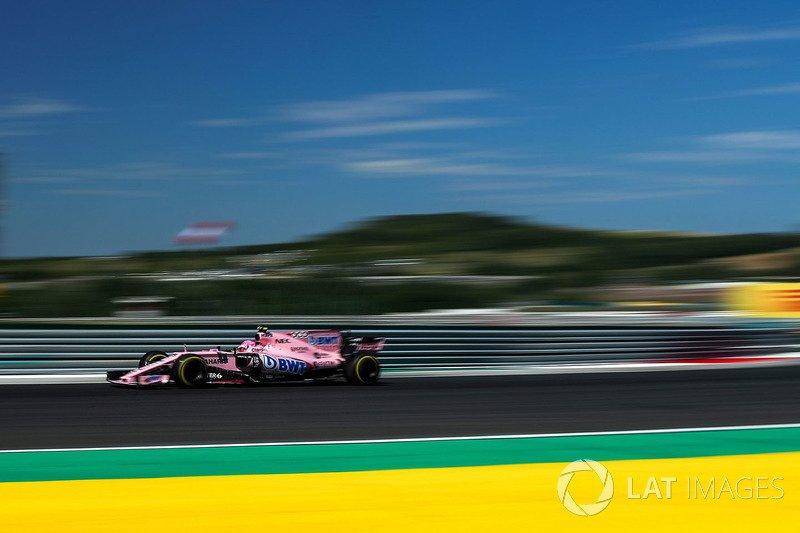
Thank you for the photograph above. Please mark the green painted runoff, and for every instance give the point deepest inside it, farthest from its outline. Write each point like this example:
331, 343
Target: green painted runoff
311, 458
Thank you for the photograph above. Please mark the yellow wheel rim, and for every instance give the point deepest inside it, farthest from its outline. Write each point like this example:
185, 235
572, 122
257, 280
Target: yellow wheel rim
358, 367
182, 369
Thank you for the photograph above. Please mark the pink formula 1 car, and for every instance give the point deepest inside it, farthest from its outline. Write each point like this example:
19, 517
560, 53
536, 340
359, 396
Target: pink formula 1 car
278, 355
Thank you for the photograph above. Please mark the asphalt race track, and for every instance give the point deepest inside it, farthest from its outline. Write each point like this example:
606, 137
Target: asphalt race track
58, 416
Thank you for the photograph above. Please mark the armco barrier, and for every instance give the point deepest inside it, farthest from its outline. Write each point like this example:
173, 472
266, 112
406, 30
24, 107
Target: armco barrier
31, 348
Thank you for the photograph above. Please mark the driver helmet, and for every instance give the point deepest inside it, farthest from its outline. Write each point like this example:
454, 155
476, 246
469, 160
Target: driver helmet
262, 333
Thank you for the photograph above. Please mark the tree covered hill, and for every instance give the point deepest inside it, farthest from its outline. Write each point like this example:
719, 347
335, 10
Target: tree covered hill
475, 240
397, 263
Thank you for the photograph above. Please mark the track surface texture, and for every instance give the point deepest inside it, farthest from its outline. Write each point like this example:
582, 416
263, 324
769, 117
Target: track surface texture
58, 416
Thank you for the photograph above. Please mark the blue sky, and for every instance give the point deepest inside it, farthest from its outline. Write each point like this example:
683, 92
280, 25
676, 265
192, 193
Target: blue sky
123, 122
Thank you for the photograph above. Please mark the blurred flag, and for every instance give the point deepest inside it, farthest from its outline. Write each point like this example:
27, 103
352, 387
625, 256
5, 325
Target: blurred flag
203, 232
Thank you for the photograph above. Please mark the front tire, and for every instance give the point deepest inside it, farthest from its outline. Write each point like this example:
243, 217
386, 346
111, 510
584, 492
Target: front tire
151, 357
362, 369
190, 371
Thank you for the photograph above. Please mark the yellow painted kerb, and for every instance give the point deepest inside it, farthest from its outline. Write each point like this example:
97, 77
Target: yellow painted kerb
491, 498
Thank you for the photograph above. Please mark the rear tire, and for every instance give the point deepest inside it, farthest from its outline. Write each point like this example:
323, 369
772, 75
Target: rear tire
362, 369
190, 371
151, 357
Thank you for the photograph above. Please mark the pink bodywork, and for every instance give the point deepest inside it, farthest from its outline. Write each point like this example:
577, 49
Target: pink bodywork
294, 354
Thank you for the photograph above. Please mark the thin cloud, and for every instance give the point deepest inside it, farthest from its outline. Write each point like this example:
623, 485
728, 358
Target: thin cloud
434, 97
377, 106
16, 133
405, 146
735, 147
593, 196
771, 90
352, 111
249, 155
228, 122
41, 179
422, 167
20, 118
108, 192
139, 173
708, 37
718, 156
391, 127
756, 140
710, 181
741, 62
494, 185
451, 167
234, 182
693, 181
789, 88
29, 108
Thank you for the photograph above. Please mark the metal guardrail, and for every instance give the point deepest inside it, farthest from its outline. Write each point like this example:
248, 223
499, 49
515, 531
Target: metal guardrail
34, 348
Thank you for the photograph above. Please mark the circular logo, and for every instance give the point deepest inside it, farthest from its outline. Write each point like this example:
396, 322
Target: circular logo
585, 509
